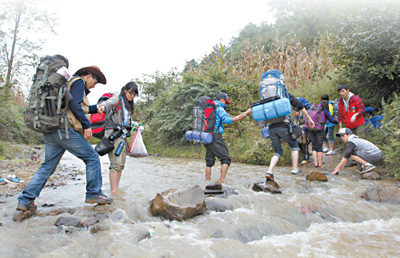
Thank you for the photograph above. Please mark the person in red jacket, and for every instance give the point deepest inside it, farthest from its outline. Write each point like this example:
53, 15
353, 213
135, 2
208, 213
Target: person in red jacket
351, 109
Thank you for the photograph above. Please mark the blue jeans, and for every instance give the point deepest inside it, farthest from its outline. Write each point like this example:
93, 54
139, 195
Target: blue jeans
54, 149
278, 133
329, 130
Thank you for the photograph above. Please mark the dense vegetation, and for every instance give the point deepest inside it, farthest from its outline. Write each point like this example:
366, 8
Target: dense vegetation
316, 44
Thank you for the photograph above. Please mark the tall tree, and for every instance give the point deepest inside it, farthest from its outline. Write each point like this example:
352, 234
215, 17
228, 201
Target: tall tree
22, 30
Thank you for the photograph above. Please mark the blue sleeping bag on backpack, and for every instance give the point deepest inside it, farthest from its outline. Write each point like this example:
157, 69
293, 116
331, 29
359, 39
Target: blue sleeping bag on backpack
274, 105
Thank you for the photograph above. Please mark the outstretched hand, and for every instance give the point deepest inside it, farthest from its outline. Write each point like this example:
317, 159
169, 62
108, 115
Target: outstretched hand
335, 171
101, 109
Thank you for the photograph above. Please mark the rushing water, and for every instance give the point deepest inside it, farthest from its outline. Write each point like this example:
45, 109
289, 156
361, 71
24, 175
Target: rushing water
309, 219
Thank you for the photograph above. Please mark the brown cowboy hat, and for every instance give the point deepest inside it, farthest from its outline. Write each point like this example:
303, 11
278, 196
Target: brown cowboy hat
93, 70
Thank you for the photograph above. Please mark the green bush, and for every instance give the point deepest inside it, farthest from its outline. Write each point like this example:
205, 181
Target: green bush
387, 138
12, 126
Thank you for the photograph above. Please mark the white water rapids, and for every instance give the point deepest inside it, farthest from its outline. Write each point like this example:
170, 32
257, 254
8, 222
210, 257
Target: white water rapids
309, 219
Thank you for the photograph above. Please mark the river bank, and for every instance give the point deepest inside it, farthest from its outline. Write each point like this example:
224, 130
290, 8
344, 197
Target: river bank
308, 219
24, 166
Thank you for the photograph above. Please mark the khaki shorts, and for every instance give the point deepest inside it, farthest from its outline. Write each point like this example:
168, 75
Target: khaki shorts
117, 163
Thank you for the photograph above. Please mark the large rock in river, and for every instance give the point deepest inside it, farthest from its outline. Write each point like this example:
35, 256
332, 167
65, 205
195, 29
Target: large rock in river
388, 194
316, 176
267, 186
178, 204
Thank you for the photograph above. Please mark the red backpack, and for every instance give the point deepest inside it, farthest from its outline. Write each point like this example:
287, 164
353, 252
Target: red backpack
204, 115
97, 120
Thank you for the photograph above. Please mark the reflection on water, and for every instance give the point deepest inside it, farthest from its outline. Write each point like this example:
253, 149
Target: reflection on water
309, 219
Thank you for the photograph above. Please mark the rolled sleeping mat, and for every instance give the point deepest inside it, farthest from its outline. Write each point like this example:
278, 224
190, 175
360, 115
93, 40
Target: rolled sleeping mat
201, 137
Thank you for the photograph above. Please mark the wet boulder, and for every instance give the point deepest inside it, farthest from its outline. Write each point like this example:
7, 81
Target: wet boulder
316, 176
143, 234
371, 176
224, 192
216, 186
267, 186
20, 216
97, 228
379, 193
88, 222
218, 206
68, 220
178, 204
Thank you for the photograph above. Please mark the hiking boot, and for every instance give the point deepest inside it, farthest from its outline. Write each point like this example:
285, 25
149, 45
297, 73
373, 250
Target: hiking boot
331, 152
101, 199
367, 168
296, 172
25, 207
360, 168
269, 176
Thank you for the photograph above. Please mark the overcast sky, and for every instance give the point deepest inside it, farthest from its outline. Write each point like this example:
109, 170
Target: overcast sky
128, 38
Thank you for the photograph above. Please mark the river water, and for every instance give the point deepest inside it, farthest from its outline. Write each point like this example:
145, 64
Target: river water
309, 219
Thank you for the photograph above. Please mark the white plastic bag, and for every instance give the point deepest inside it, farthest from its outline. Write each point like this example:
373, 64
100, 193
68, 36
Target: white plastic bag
137, 148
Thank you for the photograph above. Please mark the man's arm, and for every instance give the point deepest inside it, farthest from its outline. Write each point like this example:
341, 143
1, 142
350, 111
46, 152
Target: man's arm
339, 166
77, 91
242, 116
310, 121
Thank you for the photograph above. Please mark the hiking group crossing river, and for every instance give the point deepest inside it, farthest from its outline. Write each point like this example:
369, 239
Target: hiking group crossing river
308, 219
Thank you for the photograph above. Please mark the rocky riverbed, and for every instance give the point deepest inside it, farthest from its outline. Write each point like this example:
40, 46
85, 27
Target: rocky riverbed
25, 165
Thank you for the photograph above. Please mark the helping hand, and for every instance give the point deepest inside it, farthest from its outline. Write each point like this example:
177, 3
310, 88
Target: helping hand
101, 109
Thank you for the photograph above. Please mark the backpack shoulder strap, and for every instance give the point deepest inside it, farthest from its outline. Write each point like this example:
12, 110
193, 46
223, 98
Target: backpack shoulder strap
75, 78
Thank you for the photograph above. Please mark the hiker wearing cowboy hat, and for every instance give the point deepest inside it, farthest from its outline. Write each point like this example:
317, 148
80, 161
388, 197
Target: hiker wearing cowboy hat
71, 136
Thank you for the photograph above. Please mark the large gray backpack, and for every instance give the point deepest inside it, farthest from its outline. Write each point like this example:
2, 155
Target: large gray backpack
43, 111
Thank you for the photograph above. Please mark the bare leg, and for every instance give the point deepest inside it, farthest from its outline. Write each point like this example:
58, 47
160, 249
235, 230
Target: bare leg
358, 159
114, 181
320, 156
295, 159
332, 146
224, 170
208, 173
273, 163
315, 156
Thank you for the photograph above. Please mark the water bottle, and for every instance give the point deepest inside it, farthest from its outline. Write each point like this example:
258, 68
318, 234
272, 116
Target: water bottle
201, 137
265, 132
119, 149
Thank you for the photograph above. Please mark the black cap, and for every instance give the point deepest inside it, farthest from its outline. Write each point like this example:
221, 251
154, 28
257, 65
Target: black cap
224, 96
